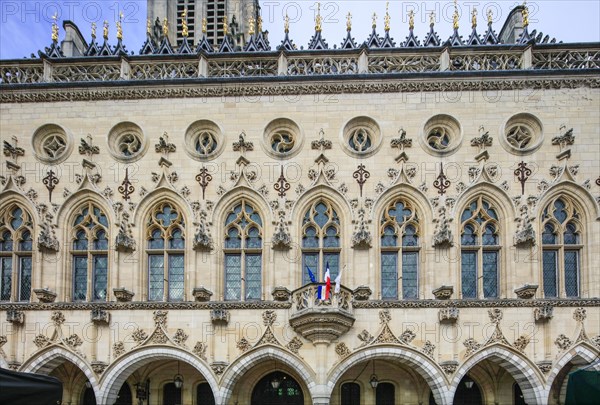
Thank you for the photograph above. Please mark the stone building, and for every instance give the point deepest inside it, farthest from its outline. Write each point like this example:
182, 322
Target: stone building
160, 213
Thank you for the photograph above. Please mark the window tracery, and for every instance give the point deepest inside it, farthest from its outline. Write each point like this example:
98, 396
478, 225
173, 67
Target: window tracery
321, 232
16, 245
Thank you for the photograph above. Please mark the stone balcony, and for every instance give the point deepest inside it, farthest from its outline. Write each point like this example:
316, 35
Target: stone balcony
321, 321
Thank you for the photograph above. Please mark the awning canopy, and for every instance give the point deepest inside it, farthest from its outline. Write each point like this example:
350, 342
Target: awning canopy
29, 389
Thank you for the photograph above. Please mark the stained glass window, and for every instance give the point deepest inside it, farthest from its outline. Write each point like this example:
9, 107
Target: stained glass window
16, 246
320, 241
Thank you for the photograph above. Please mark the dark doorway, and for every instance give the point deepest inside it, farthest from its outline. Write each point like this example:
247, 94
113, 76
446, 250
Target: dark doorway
386, 394
519, 398
350, 394
268, 392
88, 397
204, 395
124, 397
171, 394
468, 393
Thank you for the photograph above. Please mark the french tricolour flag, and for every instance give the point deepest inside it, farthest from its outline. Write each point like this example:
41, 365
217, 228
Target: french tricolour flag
325, 291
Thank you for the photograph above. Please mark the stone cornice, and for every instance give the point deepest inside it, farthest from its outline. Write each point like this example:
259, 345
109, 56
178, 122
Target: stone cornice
254, 88
262, 305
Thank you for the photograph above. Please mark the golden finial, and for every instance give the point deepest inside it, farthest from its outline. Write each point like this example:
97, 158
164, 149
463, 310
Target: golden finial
455, 16
93, 30
259, 24
474, 18
119, 26
251, 25
55, 28
318, 19
348, 22
286, 24
525, 14
432, 19
105, 30
225, 26
184, 26
386, 19
411, 20
204, 25
165, 27
490, 16
374, 24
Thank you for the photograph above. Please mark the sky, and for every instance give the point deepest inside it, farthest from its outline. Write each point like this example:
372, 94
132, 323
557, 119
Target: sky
25, 25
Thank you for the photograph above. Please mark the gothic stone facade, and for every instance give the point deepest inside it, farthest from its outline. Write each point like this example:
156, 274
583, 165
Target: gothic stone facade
158, 214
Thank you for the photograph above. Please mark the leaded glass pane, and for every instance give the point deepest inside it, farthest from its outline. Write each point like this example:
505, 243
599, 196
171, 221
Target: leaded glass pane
176, 276
490, 274
233, 241
388, 239
253, 241
156, 240
177, 241
101, 217
156, 274
6, 245
560, 213
310, 238
24, 278
233, 277
469, 274
410, 237
321, 216
334, 264
17, 219
571, 236
410, 282
468, 238
309, 260
80, 242
389, 275
167, 216
253, 277
79, 278
549, 236
572, 273
331, 238
101, 243
489, 236
26, 243
549, 273
5, 278
100, 277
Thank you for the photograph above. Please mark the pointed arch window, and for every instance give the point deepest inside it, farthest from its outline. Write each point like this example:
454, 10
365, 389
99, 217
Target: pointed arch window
243, 253
16, 230
320, 241
399, 251
166, 253
89, 253
480, 250
561, 247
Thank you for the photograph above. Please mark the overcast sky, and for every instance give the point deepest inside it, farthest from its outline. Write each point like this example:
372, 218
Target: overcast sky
25, 25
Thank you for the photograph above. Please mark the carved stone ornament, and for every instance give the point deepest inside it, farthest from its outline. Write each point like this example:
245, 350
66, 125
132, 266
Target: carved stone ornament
57, 318
100, 316
41, 341
160, 318
45, 295
123, 295
442, 235
443, 293
448, 314
202, 238
449, 366
202, 294
118, 349
365, 337
294, 345
281, 293
525, 234
219, 367
14, 365
543, 313
281, 239
407, 336
139, 336
124, 241
342, 350
15, 317
562, 342
472, 346
527, 291
580, 314
200, 350
361, 239
47, 240
544, 365
428, 348
362, 293
99, 366
73, 341
521, 343
219, 316
180, 337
